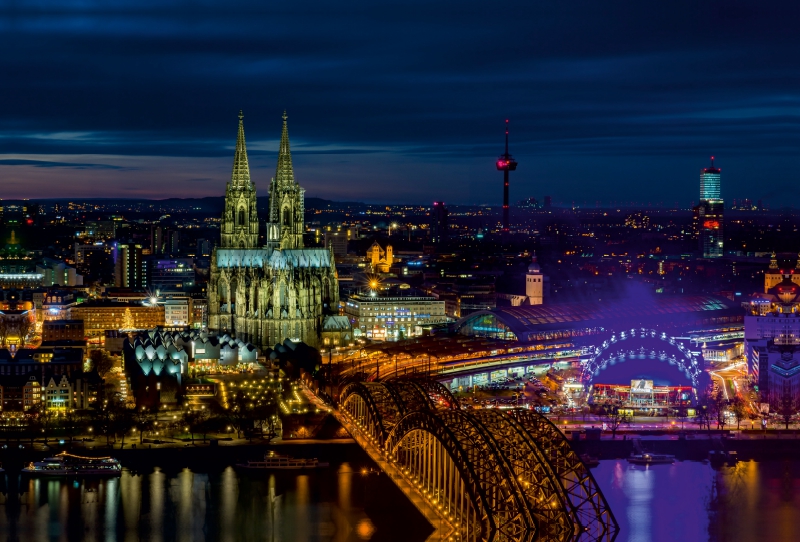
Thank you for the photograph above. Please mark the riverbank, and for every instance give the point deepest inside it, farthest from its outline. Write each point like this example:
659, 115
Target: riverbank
753, 447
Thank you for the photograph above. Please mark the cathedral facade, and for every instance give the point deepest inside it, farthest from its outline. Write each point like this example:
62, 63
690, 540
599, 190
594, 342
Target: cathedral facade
265, 294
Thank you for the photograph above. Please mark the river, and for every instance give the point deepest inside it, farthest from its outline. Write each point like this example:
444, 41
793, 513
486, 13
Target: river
690, 501
344, 502
687, 501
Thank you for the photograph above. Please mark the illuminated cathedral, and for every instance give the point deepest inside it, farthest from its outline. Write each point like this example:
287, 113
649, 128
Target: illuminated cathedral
280, 290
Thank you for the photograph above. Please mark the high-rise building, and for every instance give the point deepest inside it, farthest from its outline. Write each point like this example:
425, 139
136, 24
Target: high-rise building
130, 269
95, 261
710, 213
548, 202
173, 242
156, 239
336, 241
439, 222
170, 273
58, 273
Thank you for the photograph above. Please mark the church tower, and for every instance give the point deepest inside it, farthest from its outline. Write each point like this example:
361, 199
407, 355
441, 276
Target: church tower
240, 218
286, 207
534, 283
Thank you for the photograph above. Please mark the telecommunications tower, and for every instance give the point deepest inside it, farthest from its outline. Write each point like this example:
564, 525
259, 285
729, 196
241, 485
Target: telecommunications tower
505, 164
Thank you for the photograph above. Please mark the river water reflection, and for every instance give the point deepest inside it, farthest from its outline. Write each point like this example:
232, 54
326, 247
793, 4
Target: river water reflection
337, 504
687, 501
690, 501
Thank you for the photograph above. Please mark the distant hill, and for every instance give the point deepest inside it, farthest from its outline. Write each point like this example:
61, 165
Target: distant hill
209, 204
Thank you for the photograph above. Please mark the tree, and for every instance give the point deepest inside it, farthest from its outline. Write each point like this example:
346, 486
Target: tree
42, 421
144, 420
101, 422
705, 410
194, 421
719, 407
122, 421
101, 362
3, 329
682, 413
26, 326
70, 422
127, 320
738, 408
614, 416
786, 406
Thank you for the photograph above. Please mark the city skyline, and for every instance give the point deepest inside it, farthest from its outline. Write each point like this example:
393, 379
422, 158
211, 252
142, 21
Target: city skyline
141, 100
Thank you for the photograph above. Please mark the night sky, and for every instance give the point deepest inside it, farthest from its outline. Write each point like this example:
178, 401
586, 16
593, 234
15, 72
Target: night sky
402, 101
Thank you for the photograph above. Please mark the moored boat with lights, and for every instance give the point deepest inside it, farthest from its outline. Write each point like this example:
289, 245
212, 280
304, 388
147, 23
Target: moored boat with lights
273, 461
65, 464
651, 459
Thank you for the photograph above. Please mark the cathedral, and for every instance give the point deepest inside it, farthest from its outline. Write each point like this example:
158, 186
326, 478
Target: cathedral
280, 290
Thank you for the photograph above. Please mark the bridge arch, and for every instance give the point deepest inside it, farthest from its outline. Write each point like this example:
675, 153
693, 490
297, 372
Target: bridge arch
492, 475
639, 344
378, 406
371, 407
579, 490
449, 456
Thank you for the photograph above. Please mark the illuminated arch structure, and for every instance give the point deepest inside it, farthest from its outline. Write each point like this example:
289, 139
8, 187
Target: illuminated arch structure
632, 345
496, 475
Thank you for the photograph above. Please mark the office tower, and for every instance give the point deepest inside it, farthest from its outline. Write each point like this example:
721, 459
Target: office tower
129, 267
710, 213
156, 239
439, 222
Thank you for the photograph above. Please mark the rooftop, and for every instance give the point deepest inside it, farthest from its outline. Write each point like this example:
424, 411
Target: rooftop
625, 312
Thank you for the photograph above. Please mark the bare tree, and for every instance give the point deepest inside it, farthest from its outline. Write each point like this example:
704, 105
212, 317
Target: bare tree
614, 416
682, 413
704, 410
785, 406
719, 407
3, 329
26, 327
738, 409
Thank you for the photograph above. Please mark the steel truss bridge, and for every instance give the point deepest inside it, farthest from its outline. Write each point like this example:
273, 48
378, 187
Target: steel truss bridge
477, 475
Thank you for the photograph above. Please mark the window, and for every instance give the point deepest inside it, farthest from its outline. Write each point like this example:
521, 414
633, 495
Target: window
241, 216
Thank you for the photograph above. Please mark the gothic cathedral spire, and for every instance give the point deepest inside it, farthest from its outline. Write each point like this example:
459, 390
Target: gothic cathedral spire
286, 201
284, 173
239, 227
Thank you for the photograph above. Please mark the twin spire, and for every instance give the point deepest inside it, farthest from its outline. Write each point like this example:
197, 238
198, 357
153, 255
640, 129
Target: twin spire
284, 173
240, 178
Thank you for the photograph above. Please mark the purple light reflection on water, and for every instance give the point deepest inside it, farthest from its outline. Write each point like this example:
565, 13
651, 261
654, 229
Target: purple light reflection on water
690, 502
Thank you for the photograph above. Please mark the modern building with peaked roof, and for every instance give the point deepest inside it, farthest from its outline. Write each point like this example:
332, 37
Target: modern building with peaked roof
265, 294
571, 320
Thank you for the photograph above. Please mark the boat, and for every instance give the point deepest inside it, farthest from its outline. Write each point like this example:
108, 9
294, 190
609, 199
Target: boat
589, 460
719, 457
651, 459
273, 461
65, 464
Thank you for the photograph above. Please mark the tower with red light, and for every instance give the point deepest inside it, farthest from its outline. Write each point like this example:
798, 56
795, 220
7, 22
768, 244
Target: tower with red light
505, 164
710, 212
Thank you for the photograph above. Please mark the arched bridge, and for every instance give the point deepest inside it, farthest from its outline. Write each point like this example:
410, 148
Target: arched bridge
490, 475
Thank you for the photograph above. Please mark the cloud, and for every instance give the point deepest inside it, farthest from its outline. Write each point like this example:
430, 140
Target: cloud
50, 164
590, 87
